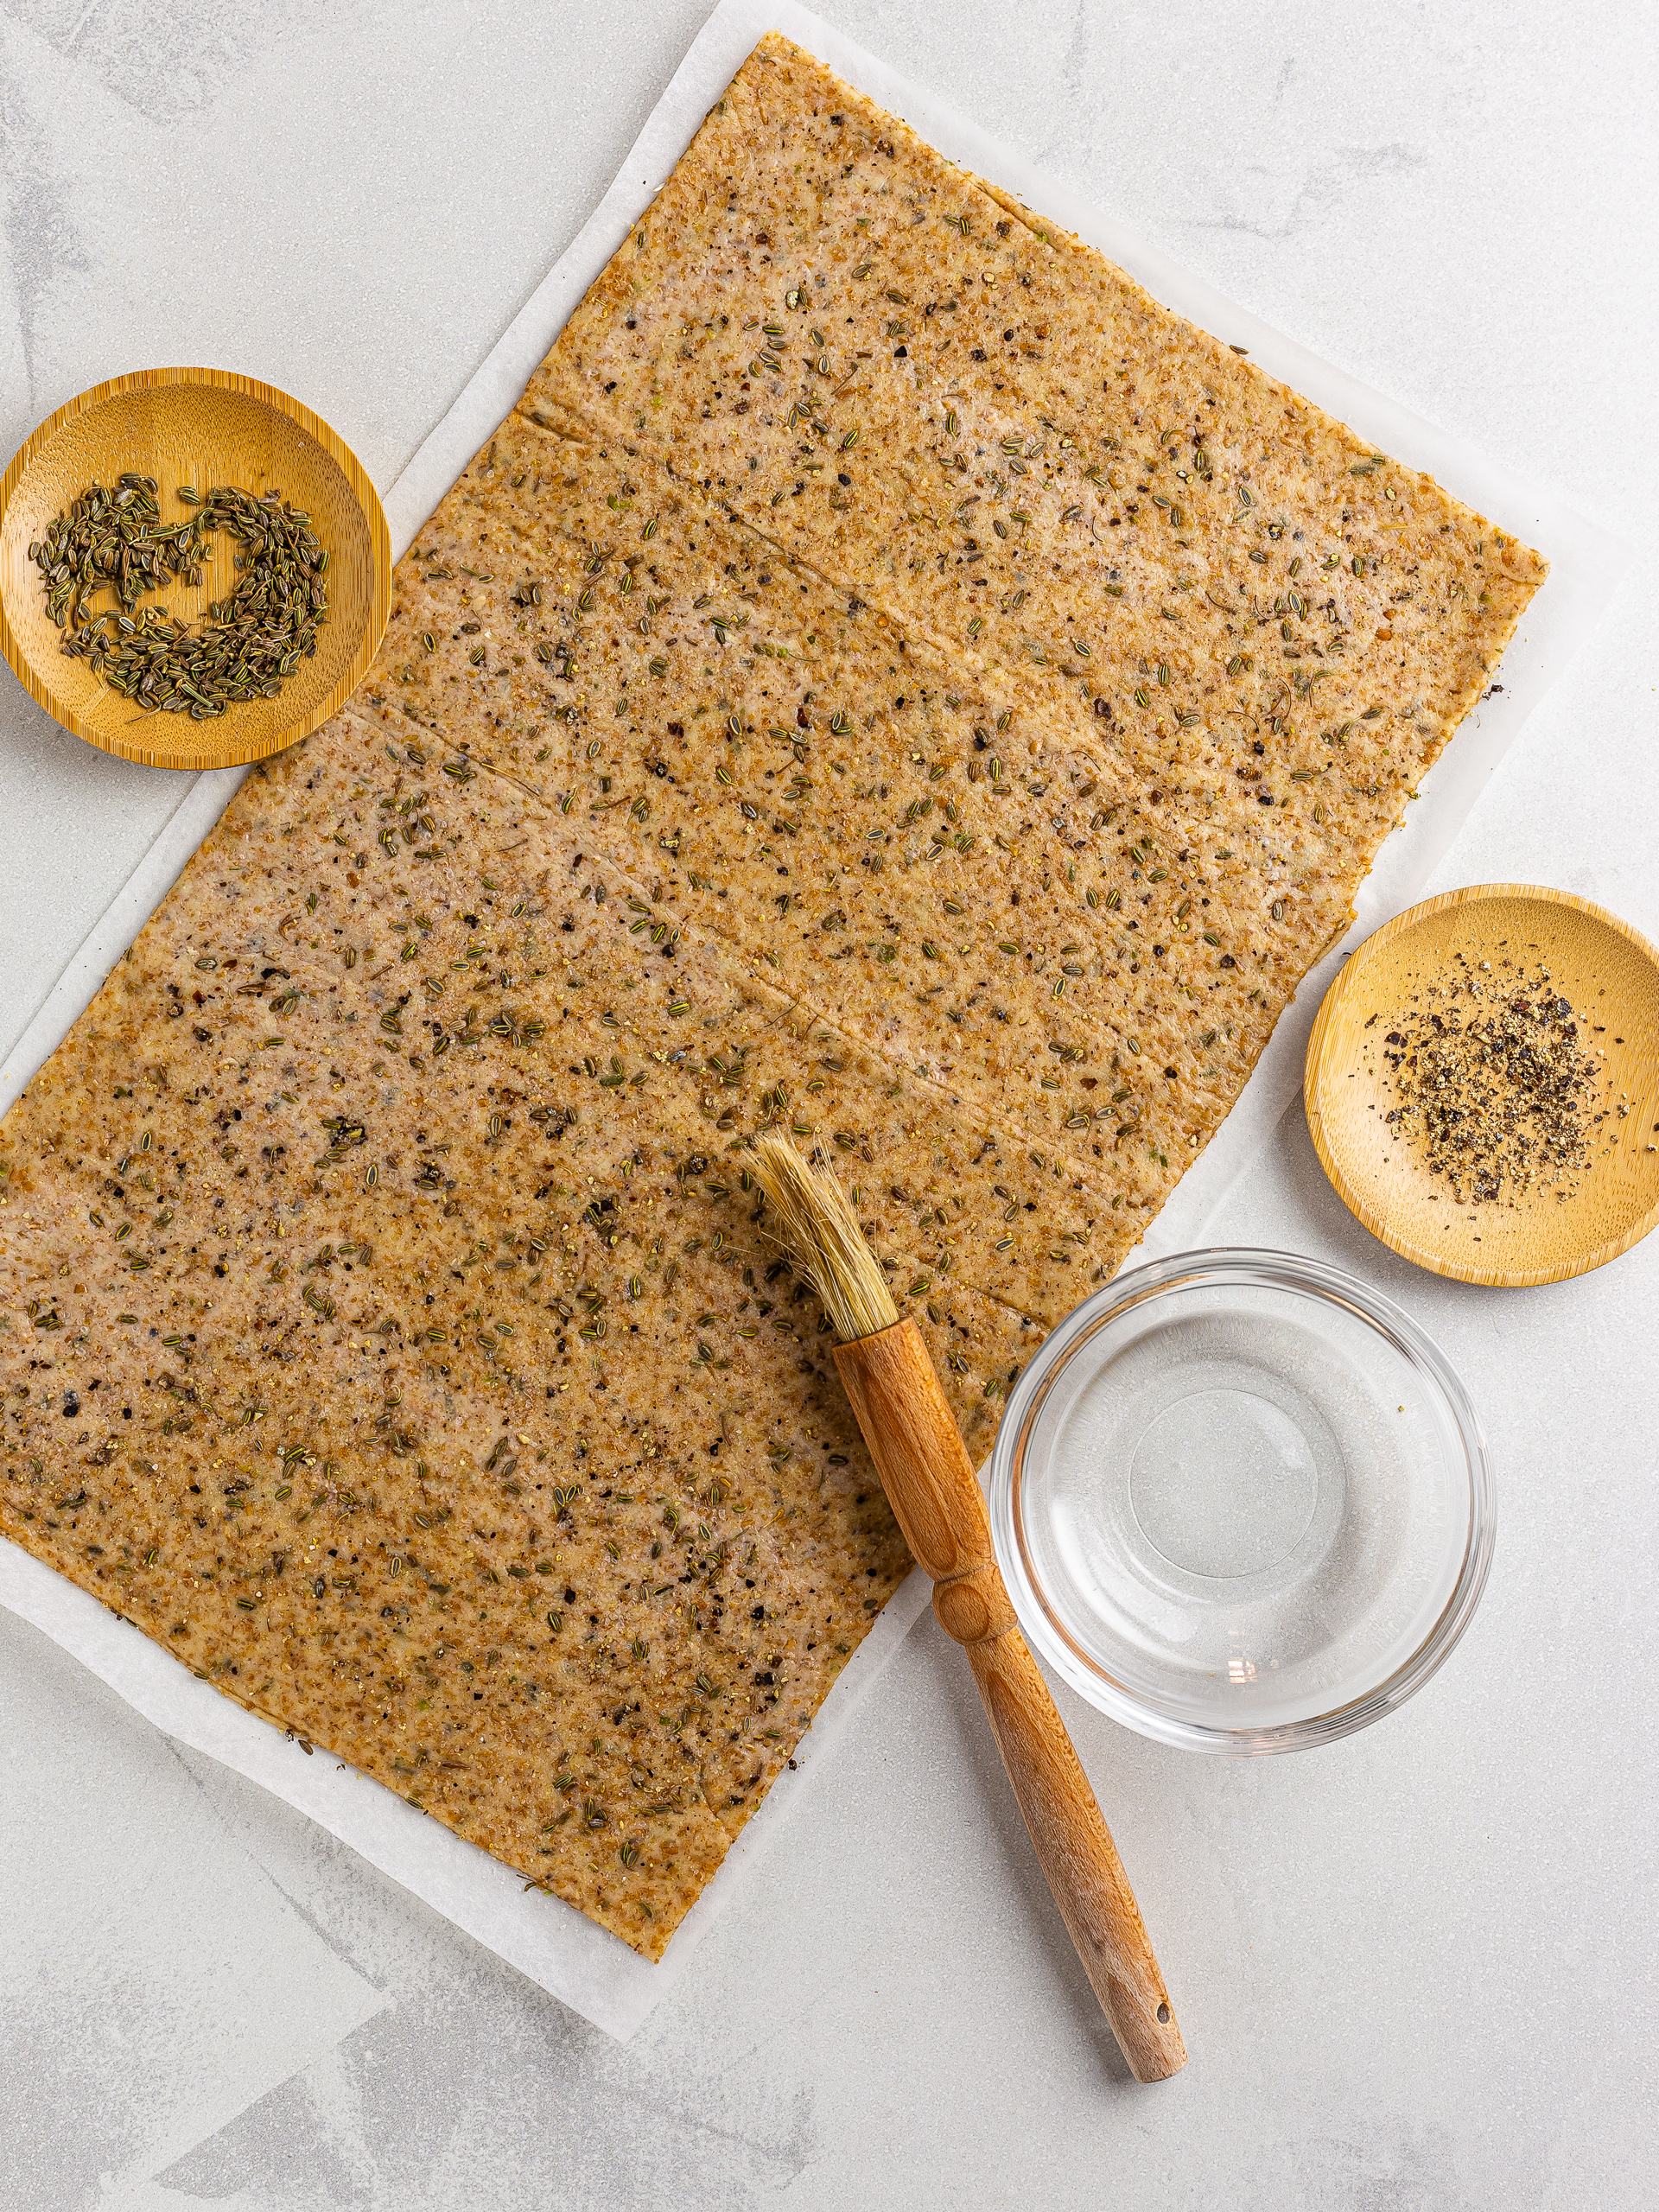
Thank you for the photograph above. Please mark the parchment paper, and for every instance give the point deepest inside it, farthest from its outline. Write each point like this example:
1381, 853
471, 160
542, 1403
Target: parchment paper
548, 1941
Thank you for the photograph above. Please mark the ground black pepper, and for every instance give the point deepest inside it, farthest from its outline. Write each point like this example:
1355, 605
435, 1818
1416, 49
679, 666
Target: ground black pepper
1493, 1082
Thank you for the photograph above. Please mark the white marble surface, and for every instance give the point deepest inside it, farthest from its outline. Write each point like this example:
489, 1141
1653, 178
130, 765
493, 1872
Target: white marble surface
1414, 1969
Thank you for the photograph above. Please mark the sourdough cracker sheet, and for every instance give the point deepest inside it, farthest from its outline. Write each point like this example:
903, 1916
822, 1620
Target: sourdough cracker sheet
847, 1001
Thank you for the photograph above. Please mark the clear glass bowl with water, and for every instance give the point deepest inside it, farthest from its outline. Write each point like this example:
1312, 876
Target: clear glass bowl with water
1242, 1502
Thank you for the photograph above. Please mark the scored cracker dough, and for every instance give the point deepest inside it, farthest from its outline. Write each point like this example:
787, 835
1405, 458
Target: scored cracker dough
888, 681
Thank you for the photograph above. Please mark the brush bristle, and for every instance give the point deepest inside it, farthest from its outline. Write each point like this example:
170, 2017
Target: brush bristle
816, 1224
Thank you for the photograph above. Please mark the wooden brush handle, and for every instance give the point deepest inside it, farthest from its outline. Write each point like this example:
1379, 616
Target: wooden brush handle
936, 1499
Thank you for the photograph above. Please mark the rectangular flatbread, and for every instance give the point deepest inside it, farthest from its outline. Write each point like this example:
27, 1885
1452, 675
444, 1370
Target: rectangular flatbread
888, 681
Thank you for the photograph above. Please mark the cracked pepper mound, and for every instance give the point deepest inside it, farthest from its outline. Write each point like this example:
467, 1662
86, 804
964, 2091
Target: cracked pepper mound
889, 682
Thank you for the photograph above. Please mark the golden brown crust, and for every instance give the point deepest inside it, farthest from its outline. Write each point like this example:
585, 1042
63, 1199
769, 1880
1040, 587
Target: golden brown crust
386, 1317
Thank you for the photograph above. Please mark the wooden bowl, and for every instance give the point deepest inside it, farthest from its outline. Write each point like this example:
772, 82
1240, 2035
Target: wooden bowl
1609, 974
199, 427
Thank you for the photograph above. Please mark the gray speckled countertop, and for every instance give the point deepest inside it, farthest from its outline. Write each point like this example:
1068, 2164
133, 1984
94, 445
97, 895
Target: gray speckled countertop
1414, 1969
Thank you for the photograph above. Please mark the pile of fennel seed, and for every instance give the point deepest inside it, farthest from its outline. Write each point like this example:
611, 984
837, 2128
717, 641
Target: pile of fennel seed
1491, 1083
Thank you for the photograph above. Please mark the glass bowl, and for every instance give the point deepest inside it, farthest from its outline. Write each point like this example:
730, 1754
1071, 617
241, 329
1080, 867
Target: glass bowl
1241, 1501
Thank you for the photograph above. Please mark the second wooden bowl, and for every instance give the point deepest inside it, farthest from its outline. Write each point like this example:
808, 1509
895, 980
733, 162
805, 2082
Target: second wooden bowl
1609, 974
198, 428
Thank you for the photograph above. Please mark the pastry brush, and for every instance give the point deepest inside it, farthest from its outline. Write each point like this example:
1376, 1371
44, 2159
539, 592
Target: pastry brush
912, 1437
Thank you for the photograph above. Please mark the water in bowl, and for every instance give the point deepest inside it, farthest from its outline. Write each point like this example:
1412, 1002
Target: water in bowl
1243, 1506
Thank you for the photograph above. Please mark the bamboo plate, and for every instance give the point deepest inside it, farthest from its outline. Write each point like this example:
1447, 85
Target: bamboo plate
1609, 974
196, 427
